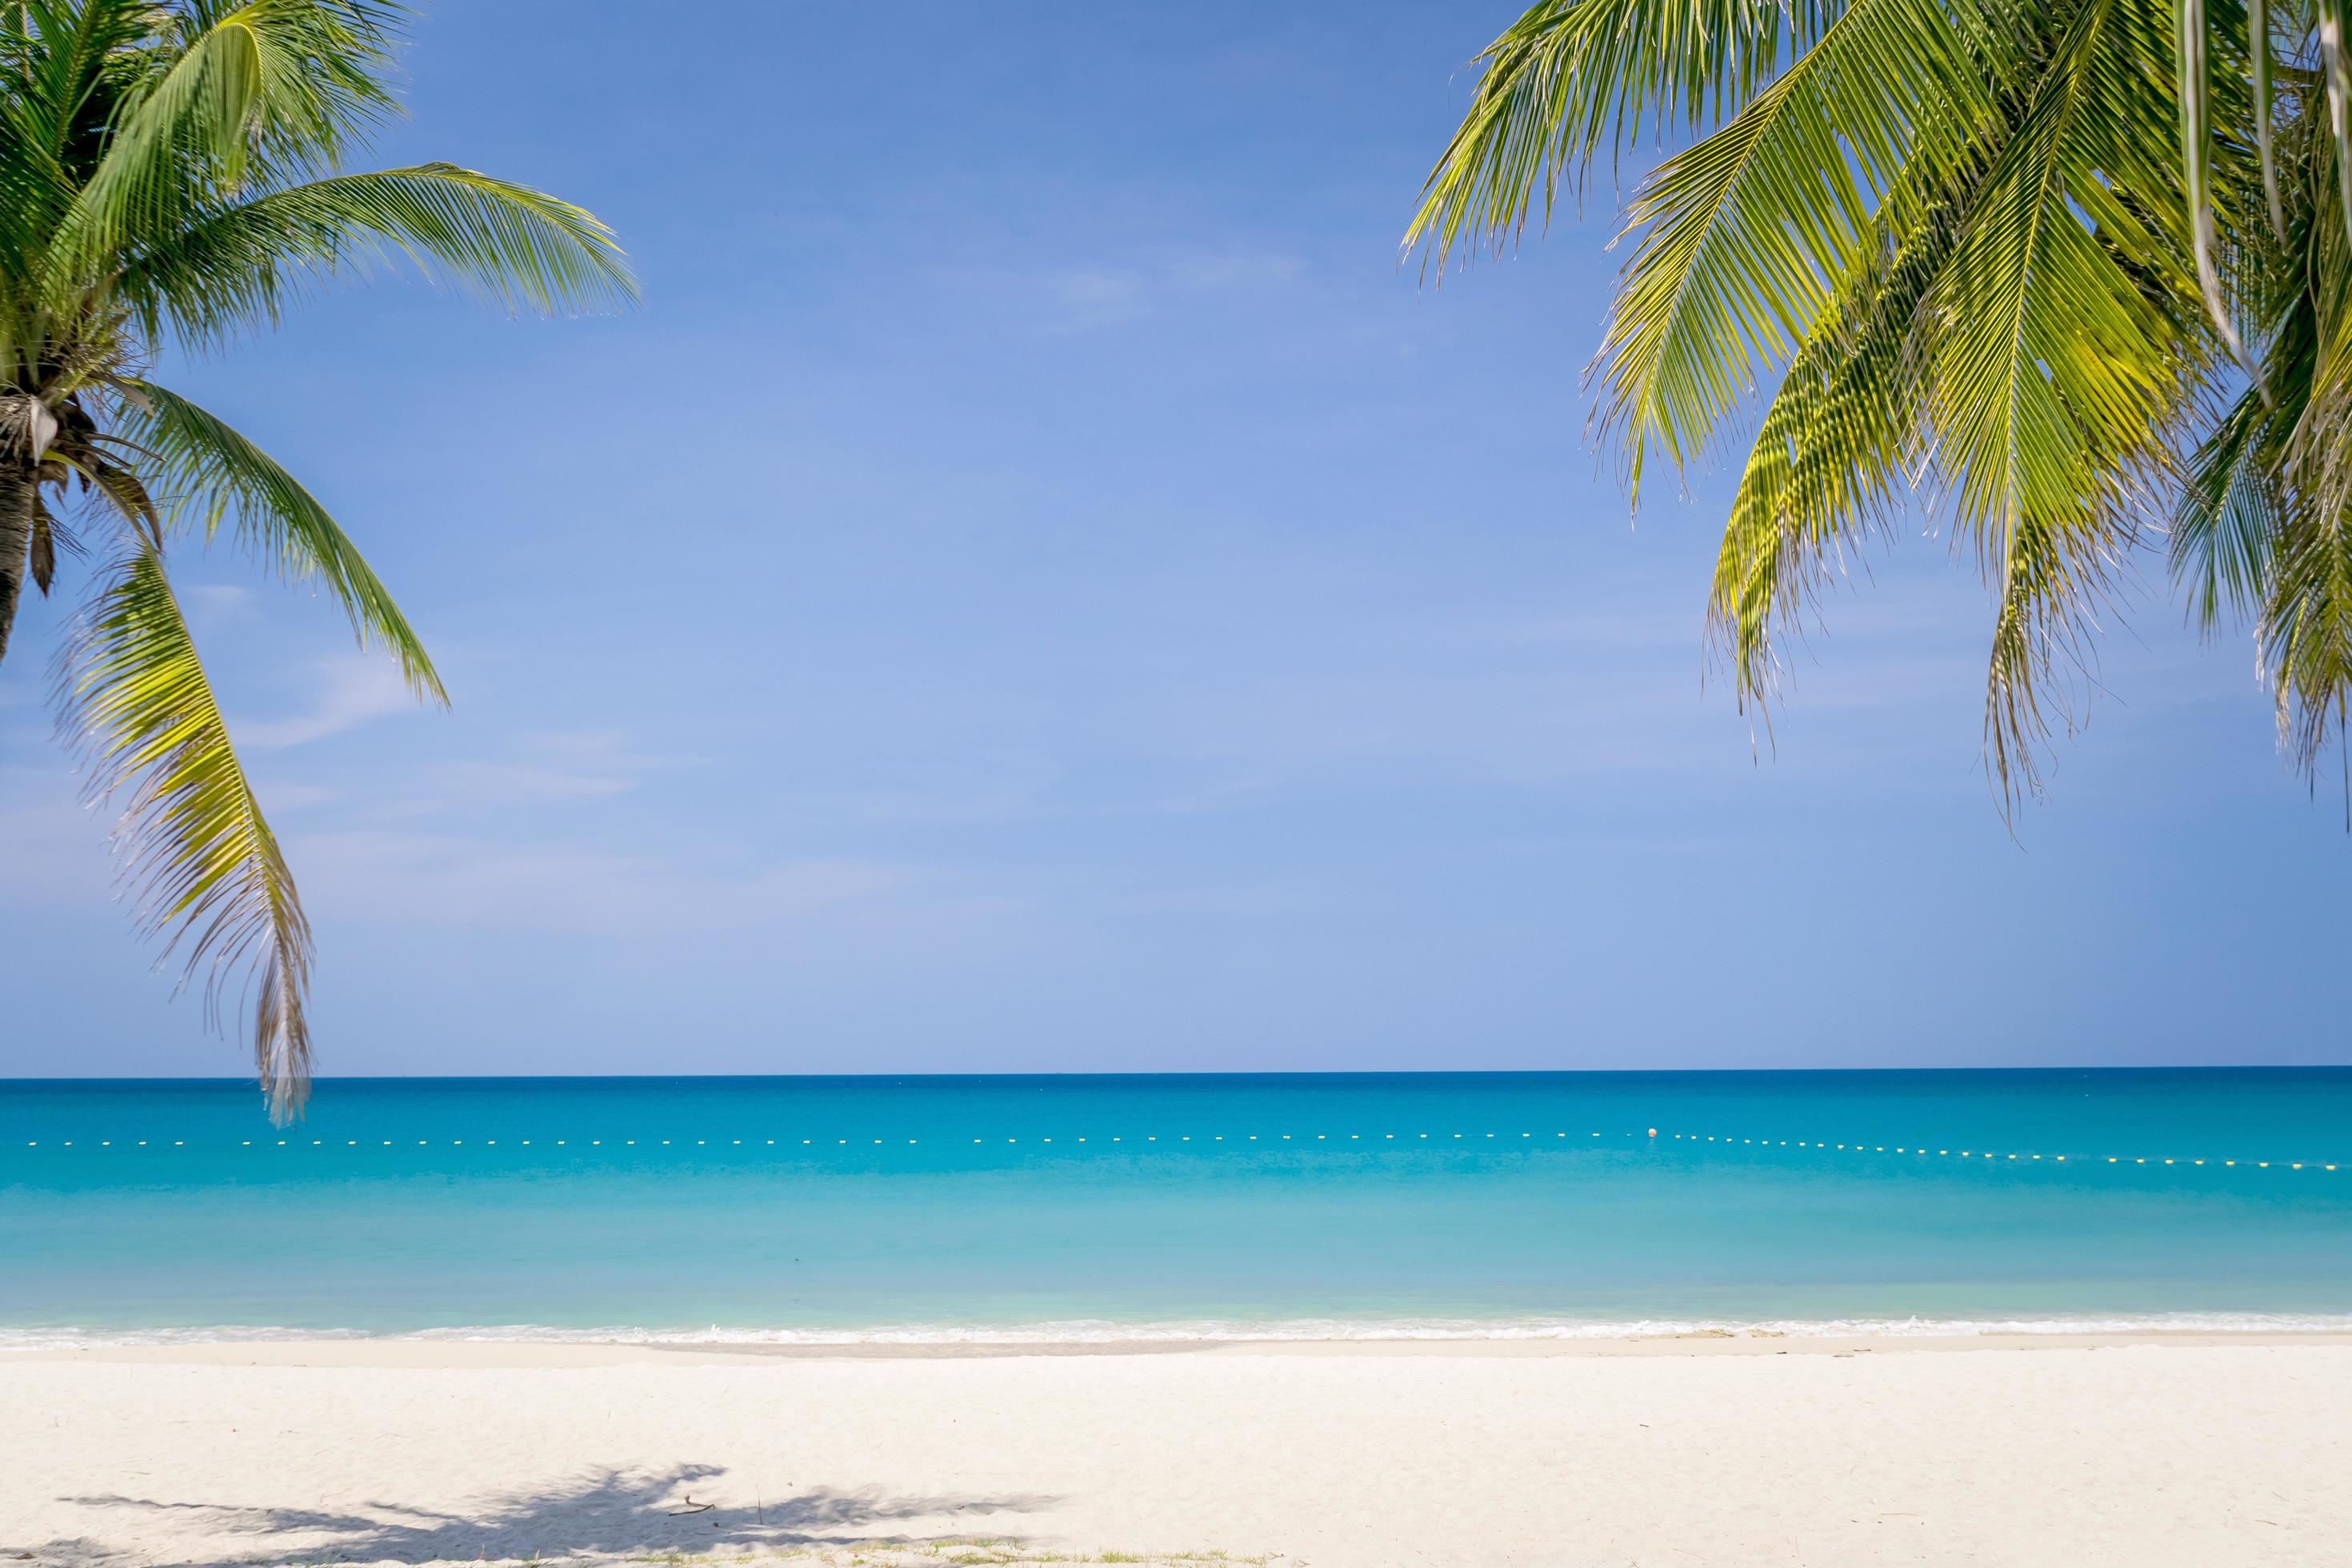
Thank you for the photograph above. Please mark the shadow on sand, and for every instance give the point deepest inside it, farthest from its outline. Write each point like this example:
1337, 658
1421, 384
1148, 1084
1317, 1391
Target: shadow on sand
617, 1513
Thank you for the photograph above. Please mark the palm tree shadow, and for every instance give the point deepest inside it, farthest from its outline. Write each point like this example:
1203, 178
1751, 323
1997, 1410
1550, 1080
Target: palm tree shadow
615, 1512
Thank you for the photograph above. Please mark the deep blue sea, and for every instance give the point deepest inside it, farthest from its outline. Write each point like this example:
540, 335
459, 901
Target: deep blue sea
1101, 1207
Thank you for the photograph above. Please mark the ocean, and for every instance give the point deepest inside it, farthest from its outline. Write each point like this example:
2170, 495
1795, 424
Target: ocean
1108, 1207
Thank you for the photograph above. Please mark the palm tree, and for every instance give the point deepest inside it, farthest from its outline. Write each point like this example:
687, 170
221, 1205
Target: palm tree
2062, 275
170, 175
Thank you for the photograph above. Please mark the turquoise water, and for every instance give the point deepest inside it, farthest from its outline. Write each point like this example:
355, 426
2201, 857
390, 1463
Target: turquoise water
1110, 1206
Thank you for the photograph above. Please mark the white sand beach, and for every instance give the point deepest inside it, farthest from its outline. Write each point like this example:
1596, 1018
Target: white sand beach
2079, 1451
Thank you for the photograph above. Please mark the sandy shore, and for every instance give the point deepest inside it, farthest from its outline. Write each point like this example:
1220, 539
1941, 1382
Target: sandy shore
2191, 1450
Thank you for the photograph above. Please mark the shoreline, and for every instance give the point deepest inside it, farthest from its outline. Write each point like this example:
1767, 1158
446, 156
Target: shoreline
416, 1353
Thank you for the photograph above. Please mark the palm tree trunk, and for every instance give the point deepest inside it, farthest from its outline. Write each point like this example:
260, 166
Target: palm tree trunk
19, 499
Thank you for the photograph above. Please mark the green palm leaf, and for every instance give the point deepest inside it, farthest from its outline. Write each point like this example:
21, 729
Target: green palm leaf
1843, 442
516, 246
2306, 634
219, 476
2225, 529
1745, 234
2061, 369
2043, 272
203, 104
1573, 76
192, 841
265, 89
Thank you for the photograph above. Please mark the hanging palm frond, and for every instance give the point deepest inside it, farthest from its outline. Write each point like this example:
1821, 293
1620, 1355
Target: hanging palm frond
2042, 273
192, 842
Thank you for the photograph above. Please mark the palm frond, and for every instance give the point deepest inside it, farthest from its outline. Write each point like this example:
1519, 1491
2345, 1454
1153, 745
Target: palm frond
2306, 634
55, 114
2060, 269
202, 107
324, 64
191, 840
2335, 65
214, 476
261, 91
2062, 366
2318, 273
2259, 61
2225, 525
518, 248
1746, 234
1846, 434
2304, 621
2194, 39
1570, 76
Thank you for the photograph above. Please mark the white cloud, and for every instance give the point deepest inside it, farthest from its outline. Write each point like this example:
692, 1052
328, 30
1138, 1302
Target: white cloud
353, 689
283, 797
1095, 295
552, 766
1240, 269
217, 600
508, 782
1098, 297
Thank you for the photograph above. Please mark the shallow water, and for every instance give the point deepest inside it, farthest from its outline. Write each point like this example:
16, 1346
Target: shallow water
798, 1208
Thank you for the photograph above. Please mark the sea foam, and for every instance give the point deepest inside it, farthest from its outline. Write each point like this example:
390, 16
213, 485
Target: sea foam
1094, 1331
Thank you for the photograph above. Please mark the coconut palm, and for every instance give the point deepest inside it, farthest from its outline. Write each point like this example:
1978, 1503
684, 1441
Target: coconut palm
2061, 276
171, 176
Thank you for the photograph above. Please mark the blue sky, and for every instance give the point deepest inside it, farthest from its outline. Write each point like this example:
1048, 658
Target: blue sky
1037, 588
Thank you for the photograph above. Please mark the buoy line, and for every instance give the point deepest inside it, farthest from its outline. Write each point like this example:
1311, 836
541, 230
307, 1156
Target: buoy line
1916, 1151
1650, 1137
